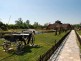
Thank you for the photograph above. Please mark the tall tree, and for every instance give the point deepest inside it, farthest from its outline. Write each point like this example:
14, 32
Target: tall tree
35, 24
19, 22
45, 25
27, 22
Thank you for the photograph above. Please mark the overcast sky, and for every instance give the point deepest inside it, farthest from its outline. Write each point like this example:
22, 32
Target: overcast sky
41, 11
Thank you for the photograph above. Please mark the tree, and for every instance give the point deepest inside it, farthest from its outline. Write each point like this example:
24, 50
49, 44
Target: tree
45, 25
3, 26
19, 23
58, 22
27, 22
35, 24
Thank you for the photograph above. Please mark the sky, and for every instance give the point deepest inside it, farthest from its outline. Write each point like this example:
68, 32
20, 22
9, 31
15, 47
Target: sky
41, 11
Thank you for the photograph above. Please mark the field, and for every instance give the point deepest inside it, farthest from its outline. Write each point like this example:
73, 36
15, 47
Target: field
79, 32
44, 41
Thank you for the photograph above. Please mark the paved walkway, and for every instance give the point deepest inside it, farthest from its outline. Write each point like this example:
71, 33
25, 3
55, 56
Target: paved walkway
70, 51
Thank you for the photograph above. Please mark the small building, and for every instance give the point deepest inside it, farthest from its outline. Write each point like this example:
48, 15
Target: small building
59, 26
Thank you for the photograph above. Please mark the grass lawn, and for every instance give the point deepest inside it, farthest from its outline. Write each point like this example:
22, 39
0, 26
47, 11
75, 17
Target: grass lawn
79, 32
45, 42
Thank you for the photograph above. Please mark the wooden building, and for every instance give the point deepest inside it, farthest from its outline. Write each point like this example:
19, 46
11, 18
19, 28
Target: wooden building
59, 26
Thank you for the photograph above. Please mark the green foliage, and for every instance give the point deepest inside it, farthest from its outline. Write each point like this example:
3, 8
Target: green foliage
19, 24
26, 25
36, 25
2, 26
11, 26
45, 25
27, 22
77, 26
